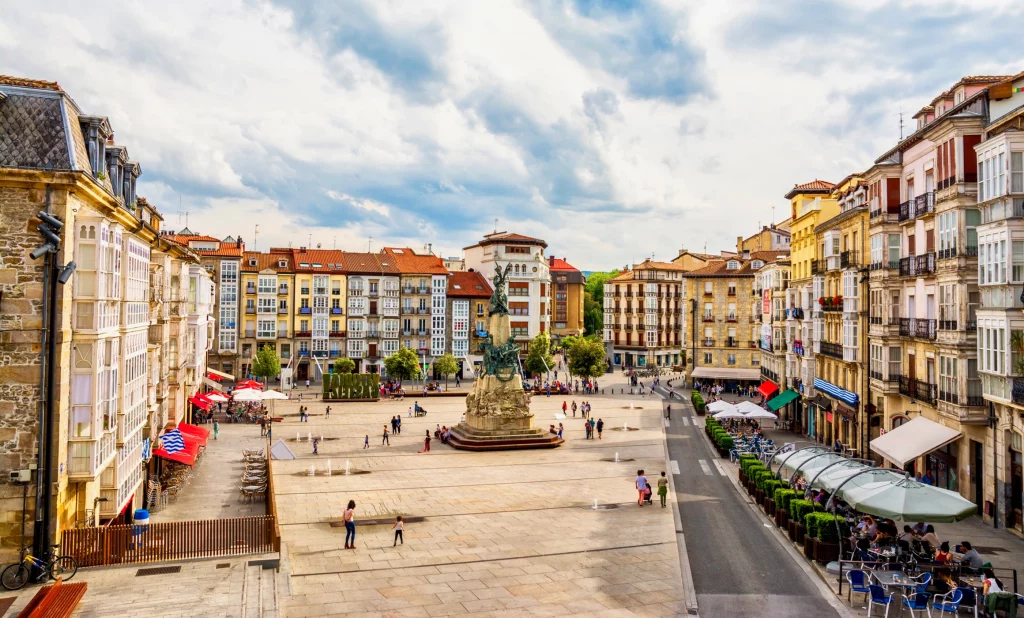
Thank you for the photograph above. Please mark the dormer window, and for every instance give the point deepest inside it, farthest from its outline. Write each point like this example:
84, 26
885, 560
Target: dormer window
282, 264
252, 261
96, 131
732, 265
757, 264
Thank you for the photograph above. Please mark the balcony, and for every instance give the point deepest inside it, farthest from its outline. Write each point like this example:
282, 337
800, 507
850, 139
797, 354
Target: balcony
832, 262
304, 291
945, 254
708, 318
768, 374
817, 268
406, 289
707, 343
753, 344
372, 334
833, 350
947, 325
337, 334
926, 264
250, 289
423, 332
250, 310
336, 310
918, 327
305, 311
906, 211
794, 313
283, 289
423, 310
423, 290
731, 317
303, 333
732, 343
924, 204
849, 259
1017, 394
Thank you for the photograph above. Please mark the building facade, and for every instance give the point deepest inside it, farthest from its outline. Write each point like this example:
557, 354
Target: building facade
771, 282
267, 288
319, 305
374, 295
424, 304
468, 300
643, 315
566, 302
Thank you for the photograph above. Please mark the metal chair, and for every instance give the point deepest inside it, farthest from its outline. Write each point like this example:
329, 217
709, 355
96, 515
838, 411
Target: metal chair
918, 603
949, 602
879, 597
923, 581
858, 583
969, 600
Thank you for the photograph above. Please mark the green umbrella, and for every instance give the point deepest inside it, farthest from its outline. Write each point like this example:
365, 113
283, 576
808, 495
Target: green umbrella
908, 500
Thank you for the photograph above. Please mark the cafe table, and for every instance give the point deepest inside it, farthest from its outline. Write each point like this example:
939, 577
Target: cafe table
898, 580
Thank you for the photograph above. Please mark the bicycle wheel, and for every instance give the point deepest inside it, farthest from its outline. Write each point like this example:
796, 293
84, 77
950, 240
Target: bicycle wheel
63, 566
15, 576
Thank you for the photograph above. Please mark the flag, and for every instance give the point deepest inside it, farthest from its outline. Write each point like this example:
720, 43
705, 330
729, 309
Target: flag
173, 442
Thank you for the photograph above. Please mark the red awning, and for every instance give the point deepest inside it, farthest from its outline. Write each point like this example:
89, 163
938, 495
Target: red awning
214, 377
193, 433
249, 384
200, 403
767, 388
186, 456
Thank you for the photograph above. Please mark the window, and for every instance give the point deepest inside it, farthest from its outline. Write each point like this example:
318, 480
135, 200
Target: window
732, 359
732, 265
266, 328
947, 302
1017, 172
876, 361
947, 230
732, 312
947, 375
877, 248
732, 288
708, 311
895, 362
708, 287
1017, 272
707, 358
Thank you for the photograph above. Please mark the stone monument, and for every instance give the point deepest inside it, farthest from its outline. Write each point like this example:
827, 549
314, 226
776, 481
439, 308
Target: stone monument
498, 413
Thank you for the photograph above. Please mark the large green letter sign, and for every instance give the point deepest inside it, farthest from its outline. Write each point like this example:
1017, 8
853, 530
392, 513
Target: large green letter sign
352, 386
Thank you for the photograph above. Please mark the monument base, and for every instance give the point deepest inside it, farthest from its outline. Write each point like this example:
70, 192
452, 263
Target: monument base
468, 438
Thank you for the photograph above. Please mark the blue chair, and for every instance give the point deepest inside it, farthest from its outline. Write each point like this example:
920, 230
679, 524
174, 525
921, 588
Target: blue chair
922, 582
969, 600
949, 602
919, 602
858, 583
878, 597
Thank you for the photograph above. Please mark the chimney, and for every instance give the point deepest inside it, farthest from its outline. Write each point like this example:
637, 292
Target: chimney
682, 251
739, 243
746, 254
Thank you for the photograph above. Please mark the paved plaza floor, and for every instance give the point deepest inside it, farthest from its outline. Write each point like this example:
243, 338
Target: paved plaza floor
503, 533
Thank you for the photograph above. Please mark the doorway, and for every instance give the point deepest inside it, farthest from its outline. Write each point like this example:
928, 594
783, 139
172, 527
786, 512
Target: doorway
1015, 512
302, 373
977, 474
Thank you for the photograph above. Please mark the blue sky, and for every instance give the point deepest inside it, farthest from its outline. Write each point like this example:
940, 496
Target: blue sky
615, 130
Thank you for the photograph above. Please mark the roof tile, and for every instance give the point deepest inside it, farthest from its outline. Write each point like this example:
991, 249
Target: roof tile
469, 284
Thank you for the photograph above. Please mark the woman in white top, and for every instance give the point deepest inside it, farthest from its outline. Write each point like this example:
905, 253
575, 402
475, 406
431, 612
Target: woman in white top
350, 525
991, 583
930, 537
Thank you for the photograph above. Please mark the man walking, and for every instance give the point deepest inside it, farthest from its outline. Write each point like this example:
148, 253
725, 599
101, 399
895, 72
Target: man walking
668, 411
384, 440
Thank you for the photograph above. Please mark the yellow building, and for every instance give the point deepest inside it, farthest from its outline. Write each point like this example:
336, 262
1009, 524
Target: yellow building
319, 310
267, 288
567, 296
810, 204
841, 371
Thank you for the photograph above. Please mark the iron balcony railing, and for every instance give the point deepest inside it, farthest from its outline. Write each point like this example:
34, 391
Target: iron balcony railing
906, 211
848, 259
835, 350
920, 328
1017, 392
947, 324
924, 204
949, 252
707, 343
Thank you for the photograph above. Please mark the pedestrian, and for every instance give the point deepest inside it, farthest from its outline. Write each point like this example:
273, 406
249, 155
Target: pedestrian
350, 524
593, 427
316, 442
426, 443
269, 427
216, 429
600, 428
668, 411
327, 414
564, 407
574, 408
663, 488
366, 442
559, 430
586, 429
263, 426
398, 527
641, 486
457, 382
307, 382
398, 424
384, 440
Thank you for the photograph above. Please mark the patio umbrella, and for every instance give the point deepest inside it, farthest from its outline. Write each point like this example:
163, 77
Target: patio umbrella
727, 411
792, 460
761, 414
247, 394
908, 500
749, 407
216, 397
834, 476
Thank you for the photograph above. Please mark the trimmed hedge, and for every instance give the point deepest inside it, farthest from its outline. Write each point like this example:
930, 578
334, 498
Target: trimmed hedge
798, 508
761, 477
749, 462
725, 442
770, 486
824, 528
697, 401
783, 496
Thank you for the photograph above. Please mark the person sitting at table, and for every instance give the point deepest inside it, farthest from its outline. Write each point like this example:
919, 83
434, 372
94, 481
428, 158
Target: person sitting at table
970, 556
944, 581
930, 537
919, 529
943, 555
991, 583
907, 536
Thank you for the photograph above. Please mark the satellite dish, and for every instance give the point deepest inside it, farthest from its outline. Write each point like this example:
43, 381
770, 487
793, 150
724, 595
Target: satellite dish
317, 245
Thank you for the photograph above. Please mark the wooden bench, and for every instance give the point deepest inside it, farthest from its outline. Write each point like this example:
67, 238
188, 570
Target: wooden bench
55, 601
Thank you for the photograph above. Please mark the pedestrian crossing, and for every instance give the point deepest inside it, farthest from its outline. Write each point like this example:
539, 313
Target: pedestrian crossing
705, 467
675, 466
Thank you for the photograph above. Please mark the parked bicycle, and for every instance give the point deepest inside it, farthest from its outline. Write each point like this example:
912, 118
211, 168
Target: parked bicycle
53, 566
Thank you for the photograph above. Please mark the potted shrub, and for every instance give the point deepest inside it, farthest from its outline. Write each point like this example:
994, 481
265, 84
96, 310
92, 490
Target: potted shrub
810, 534
744, 459
783, 495
769, 495
698, 403
725, 444
798, 508
827, 536
752, 471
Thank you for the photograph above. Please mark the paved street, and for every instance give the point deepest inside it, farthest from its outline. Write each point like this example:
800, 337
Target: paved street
738, 567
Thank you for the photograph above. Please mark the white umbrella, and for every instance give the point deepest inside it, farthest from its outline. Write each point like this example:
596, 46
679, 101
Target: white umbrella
718, 406
908, 500
272, 394
760, 414
216, 397
749, 407
247, 394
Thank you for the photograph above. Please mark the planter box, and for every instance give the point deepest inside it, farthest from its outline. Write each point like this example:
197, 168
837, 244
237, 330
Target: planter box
743, 478
796, 531
825, 552
809, 547
759, 496
750, 487
769, 506
781, 518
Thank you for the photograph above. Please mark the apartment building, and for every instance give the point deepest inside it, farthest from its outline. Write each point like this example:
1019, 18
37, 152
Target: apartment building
769, 330
566, 302
318, 311
771, 238
841, 318
468, 297
529, 280
1000, 319
643, 315
267, 289
424, 303
724, 320
373, 290
810, 204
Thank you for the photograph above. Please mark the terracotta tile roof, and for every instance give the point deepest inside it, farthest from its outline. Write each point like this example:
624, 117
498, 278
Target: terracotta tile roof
469, 284
982, 79
815, 186
266, 261
410, 262
226, 249
555, 263
500, 237
21, 82
650, 264
183, 239
330, 260
720, 268
369, 264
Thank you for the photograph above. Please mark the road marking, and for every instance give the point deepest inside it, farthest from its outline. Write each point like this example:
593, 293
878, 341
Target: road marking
721, 469
665, 422
686, 422
675, 466
705, 467
693, 417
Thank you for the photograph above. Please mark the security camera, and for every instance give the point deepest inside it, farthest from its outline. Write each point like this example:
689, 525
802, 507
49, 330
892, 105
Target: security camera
66, 273
49, 235
41, 251
51, 220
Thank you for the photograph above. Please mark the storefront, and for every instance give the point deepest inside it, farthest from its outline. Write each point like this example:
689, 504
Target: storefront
1015, 512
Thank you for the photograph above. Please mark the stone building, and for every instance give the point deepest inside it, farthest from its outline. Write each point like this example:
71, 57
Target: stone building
770, 285
468, 296
267, 288
567, 295
318, 310
643, 315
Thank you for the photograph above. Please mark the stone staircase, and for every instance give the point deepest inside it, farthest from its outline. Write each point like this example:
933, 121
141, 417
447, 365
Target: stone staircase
468, 438
259, 590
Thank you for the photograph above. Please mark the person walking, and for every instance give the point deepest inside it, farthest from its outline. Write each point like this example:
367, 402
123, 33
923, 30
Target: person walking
593, 427
316, 443
574, 408
327, 414
457, 382
263, 426
586, 428
600, 428
270, 426
559, 430
663, 488
398, 527
216, 429
398, 424
350, 525
384, 440
426, 443
668, 411
366, 442
564, 407
641, 486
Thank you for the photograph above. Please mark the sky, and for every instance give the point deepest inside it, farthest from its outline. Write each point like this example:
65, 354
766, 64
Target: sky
614, 130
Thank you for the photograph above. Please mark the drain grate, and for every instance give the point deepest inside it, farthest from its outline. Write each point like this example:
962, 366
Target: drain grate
158, 571
224, 565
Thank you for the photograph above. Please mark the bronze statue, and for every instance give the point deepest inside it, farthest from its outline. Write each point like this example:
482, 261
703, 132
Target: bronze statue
499, 300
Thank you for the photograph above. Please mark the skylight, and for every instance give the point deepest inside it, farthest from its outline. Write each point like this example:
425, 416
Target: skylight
457, 286
397, 251
317, 265
304, 264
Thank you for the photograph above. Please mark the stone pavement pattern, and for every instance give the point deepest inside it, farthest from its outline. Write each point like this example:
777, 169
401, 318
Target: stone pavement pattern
505, 534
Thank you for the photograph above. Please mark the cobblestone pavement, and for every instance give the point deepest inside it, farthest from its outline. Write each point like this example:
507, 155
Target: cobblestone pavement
504, 533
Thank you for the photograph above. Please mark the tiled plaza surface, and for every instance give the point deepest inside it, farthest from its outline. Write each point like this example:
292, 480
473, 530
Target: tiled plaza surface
505, 533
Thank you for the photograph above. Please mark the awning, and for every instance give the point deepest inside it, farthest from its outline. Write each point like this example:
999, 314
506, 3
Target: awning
767, 388
213, 373
186, 456
834, 391
214, 377
726, 373
786, 397
821, 401
912, 440
192, 430
202, 404
212, 384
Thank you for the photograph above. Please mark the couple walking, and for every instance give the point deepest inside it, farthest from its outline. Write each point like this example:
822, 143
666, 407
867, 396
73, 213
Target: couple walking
644, 489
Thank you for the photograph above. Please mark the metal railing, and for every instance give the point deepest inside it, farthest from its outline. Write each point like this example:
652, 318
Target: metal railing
848, 259
835, 350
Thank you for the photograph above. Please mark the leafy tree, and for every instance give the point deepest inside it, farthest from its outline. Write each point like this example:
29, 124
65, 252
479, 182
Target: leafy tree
587, 358
446, 366
344, 365
593, 301
595, 285
539, 358
266, 364
403, 365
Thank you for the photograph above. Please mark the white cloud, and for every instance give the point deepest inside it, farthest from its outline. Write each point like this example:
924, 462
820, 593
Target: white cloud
361, 204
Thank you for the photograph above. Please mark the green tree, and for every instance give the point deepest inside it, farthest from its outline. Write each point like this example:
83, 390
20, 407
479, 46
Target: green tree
539, 358
593, 315
587, 358
403, 365
595, 285
344, 365
266, 364
446, 366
